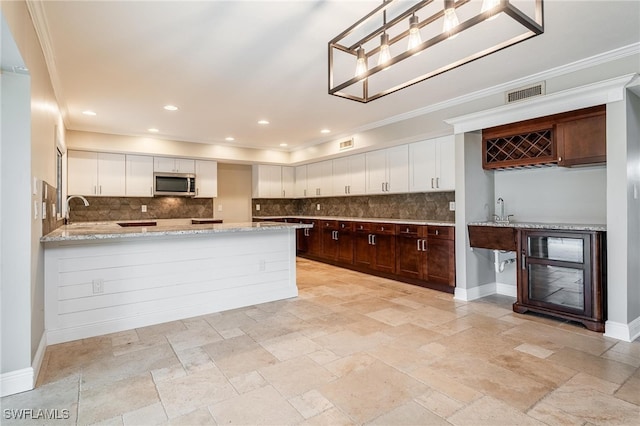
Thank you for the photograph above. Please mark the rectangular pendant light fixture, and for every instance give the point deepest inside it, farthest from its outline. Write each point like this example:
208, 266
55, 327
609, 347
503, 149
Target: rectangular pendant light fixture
395, 46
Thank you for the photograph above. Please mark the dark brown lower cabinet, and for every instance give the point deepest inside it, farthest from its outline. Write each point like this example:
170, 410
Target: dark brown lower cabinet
418, 254
563, 274
440, 254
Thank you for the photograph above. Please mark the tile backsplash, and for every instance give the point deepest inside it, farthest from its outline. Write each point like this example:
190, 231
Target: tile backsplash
418, 206
130, 208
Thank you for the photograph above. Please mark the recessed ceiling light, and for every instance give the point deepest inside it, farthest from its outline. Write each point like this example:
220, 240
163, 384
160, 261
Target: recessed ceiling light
284, 144
229, 139
325, 131
263, 122
88, 112
153, 130
171, 107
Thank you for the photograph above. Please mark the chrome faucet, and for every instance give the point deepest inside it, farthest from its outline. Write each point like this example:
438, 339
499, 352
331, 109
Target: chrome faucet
501, 218
66, 216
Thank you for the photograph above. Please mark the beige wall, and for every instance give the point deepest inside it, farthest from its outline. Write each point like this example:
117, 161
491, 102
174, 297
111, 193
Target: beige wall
234, 193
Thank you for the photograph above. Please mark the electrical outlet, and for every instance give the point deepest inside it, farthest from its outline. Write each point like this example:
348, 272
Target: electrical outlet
452, 206
44, 209
98, 286
143, 208
257, 207
317, 206
35, 209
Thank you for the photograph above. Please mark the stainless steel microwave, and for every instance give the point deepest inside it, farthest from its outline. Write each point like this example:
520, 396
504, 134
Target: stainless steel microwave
181, 184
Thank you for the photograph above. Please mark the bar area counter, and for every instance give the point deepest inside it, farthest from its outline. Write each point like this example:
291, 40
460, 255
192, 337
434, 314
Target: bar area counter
104, 277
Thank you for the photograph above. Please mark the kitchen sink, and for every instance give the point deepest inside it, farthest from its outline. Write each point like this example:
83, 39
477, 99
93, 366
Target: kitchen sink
147, 223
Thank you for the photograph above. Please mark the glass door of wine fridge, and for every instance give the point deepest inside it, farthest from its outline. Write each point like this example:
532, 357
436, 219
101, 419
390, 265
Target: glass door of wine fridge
556, 271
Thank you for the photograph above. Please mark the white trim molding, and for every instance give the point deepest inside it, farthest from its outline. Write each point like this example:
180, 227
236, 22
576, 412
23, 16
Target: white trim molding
16, 381
24, 379
626, 332
473, 293
600, 93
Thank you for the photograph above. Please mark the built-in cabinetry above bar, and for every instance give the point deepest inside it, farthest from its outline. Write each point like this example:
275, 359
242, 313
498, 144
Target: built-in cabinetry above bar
569, 139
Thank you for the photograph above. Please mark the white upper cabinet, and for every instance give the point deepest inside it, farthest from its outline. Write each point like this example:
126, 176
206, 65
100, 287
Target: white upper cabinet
432, 165
206, 179
139, 176
267, 181
349, 175
387, 170
173, 165
288, 182
301, 182
92, 173
319, 179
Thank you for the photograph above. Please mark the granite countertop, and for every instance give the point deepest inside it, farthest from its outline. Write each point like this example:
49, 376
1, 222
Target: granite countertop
111, 230
363, 219
540, 225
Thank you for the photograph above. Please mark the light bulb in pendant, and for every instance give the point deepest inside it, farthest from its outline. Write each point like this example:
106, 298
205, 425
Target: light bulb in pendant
361, 62
385, 55
450, 18
414, 33
489, 5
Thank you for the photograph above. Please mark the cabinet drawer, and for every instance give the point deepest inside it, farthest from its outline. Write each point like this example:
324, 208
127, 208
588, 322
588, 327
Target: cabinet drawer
345, 226
411, 230
362, 227
383, 228
328, 224
441, 232
494, 238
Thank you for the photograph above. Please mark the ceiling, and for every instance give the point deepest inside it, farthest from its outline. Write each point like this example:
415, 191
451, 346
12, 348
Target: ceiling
228, 64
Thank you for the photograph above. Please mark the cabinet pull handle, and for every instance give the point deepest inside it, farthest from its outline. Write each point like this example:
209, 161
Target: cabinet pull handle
419, 242
424, 245
382, 186
437, 232
373, 239
524, 260
387, 186
370, 239
100, 189
438, 182
304, 191
432, 187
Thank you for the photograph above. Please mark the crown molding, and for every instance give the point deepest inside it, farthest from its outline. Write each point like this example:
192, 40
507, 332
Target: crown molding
40, 23
603, 58
599, 93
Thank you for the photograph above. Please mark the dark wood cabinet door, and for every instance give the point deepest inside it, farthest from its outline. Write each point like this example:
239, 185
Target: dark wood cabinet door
409, 256
441, 261
362, 249
582, 141
329, 244
345, 247
314, 243
384, 253
302, 245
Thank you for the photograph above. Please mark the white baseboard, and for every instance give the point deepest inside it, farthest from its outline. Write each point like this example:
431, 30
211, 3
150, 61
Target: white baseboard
473, 293
25, 379
507, 290
16, 381
626, 332
39, 357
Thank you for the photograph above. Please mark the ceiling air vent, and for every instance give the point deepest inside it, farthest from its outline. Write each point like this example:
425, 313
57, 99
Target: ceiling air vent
346, 144
525, 92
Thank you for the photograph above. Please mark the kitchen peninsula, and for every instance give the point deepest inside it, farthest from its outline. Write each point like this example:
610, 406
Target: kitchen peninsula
102, 277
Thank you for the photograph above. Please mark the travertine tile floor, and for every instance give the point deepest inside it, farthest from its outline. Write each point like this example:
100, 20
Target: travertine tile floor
351, 349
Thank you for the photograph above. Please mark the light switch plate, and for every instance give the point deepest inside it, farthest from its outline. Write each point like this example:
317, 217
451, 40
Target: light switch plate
317, 206
452, 206
143, 208
44, 210
35, 186
257, 207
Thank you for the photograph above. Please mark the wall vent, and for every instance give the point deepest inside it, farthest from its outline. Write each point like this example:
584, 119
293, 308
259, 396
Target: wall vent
522, 93
346, 144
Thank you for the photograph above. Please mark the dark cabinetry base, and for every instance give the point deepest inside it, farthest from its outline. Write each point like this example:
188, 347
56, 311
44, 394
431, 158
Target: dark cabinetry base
590, 324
